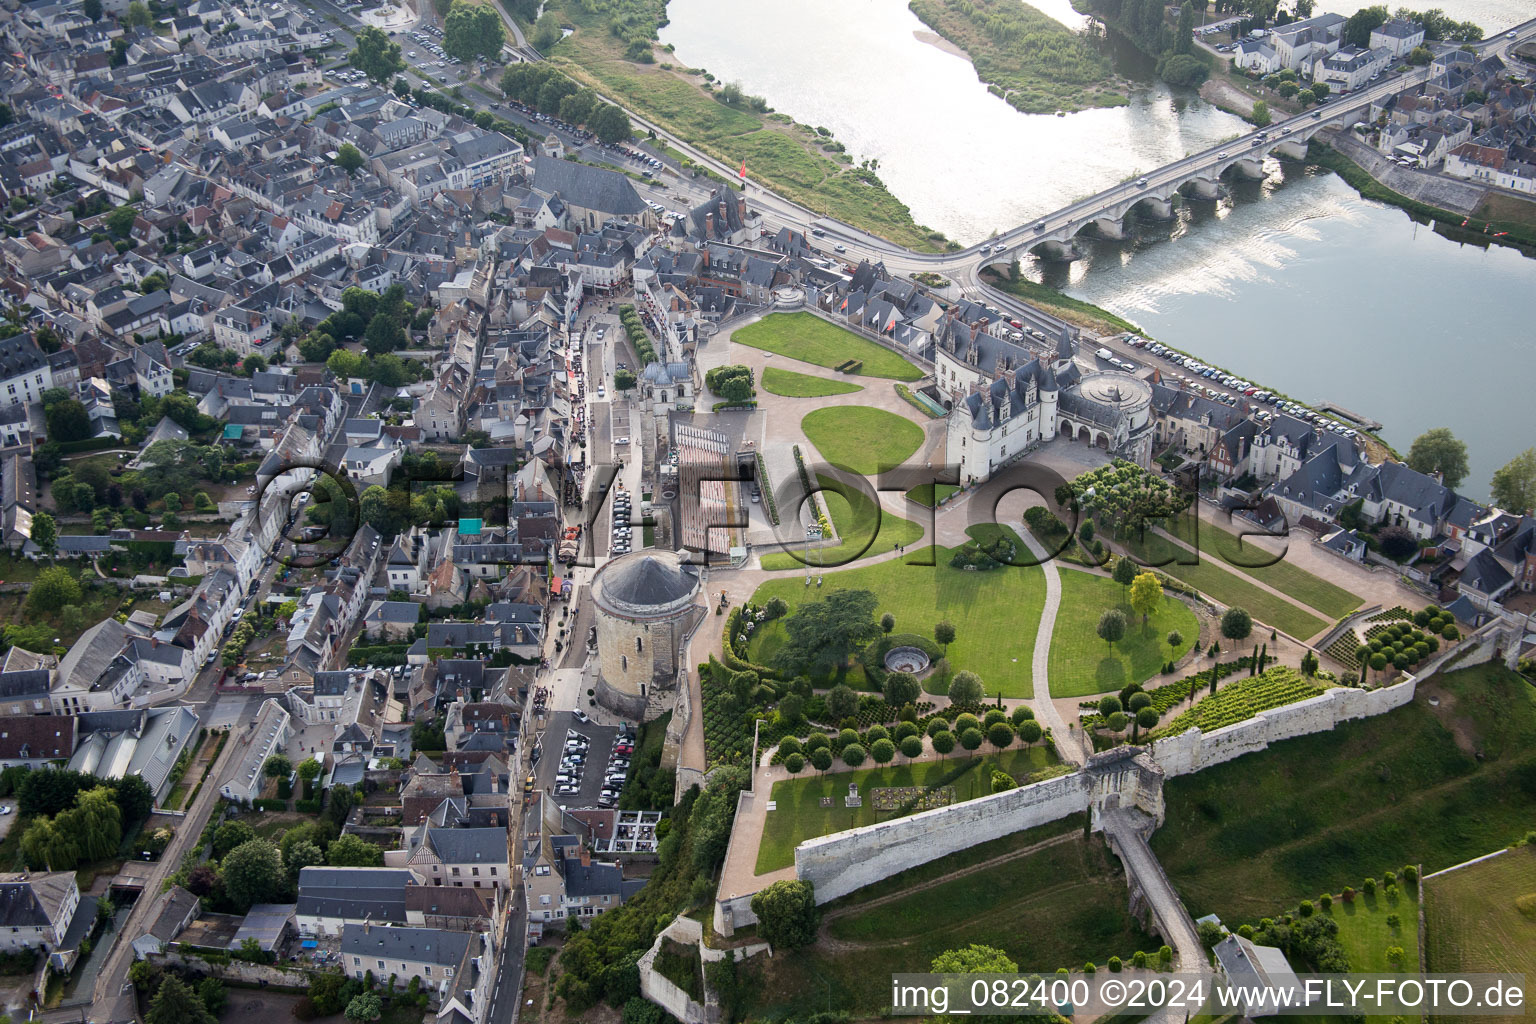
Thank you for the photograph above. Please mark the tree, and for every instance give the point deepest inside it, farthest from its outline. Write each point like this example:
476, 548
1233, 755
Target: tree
1030, 731
45, 533
1358, 29
67, 421
92, 9
624, 380
944, 634
1175, 638
176, 1003
1420, 56
966, 688
54, 588
888, 621
253, 873
1397, 542
352, 851
138, 15
1000, 735
610, 124
1125, 573
1146, 592
230, 835
1236, 624
882, 750
1514, 485
1146, 718
821, 759
901, 688
376, 55
365, 1006
1438, 451
277, 767
971, 739
974, 959
1111, 626
853, 755
384, 335
943, 741
841, 702
300, 855
1309, 664
1260, 115
212, 992
546, 32
1184, 38
1109, 704
794, 763
349, 158
472, 30
823, 635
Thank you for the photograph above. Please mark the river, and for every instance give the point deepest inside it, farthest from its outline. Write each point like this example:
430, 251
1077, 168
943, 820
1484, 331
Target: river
1296, 282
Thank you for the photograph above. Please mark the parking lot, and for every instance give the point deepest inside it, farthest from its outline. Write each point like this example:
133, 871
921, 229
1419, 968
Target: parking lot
601, 745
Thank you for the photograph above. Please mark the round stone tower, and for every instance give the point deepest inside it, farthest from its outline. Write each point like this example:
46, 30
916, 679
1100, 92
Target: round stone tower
642, 601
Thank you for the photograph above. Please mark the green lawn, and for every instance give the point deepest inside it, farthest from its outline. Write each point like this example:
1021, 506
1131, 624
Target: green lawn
854, 516
1056, 907
1483, 918
802, 385
923, 494
1227, 586
1082, 664
995, 613
810, 339
1317, 813
862, 439
799, 816
1313, 591
1365, 933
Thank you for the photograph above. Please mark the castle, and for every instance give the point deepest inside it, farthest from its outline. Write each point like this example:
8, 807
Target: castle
1003, 397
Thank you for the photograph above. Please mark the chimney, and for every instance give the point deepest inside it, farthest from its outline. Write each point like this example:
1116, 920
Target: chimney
741, 208
709, 232
586, 857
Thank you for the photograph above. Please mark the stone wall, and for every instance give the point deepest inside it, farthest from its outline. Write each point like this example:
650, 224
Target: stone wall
662, 991
237, 970
840, 863
1193, 750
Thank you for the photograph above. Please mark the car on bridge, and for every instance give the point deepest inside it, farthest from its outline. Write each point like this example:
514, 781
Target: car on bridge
1141, 182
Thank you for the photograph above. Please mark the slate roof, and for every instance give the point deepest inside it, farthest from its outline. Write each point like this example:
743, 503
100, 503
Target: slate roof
357, 893
591, 188
469, 845
644, 581
412, 945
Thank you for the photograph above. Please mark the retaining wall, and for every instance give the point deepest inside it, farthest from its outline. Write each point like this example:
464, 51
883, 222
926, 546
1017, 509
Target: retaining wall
840, 863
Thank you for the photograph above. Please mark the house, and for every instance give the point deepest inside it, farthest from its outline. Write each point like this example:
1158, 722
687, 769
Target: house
462, 858
1350, 67
330, 899
1259, 969
392, 621
174, 909
271, 732
1301, 44
25, 372
458, 967
372, 465
1398, 36
560, 878
35, 740
591, 195
36, 909
144, 742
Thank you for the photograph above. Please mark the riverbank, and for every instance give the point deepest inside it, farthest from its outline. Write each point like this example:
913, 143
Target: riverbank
1475, 229
1032, 61
803, 164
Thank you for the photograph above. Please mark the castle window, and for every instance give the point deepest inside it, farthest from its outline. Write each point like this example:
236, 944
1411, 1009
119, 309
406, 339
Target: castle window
624, 662
639, 645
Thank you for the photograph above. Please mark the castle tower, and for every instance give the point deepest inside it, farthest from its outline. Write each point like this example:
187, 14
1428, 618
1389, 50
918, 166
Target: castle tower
1066, 350
642, 602
1048, 395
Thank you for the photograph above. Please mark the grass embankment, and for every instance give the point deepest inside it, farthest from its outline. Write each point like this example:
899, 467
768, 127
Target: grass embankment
1071, 894
1517, 233
798, 813
1034, 62
789, 158
1269, 568
810, 339
790, 384
995, 613
1429, 785
924, 494
863, 530
1082, 664
1064, 307
862, 439
1482, 918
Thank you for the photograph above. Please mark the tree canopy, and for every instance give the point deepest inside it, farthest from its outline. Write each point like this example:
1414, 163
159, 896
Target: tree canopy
1438, 450
787, 914
823, 635
472, 30
376, 55
1514, 485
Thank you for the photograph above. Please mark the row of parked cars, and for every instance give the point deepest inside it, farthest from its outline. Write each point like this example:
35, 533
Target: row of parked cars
622, 529
1235, 386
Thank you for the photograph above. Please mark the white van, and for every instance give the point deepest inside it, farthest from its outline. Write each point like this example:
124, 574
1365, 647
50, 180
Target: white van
1104, 353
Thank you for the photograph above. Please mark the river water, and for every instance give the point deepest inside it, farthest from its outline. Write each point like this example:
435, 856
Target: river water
1296, 282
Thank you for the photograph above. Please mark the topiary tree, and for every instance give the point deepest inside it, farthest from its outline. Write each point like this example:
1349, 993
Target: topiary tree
1108, 705
943, 741
821, 759
787, 915
794, 763
1175, 639
911, 746
1030, 732
1111, 626
966, 688
901, 688
971, 739
944, 634
883, 751
853, 755
887, 623
1236, 624
1000, 735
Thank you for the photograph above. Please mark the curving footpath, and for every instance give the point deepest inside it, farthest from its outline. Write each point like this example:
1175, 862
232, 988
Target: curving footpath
1067, 746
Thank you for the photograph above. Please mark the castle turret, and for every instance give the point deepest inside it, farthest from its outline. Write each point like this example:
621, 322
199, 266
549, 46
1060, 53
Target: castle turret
1066, 350
1048, 395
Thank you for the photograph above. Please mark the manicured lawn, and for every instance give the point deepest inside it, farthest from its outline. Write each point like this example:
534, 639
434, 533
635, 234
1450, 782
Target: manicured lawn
1311, 590
995, 613
1228, 586
862, 439
923, 494
1319, 812
802, 385
1058, 906
798, 814
1365, 933
810, 339
1082, 664
854, 517
1483, 918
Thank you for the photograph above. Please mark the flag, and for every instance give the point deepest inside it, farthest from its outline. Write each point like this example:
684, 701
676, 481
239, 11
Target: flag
742, 174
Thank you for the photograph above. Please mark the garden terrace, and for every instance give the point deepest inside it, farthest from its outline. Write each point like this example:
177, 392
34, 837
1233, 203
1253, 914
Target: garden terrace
1240, 701
1082, 664
995, 614
1316, 813
807, 808
810, 339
